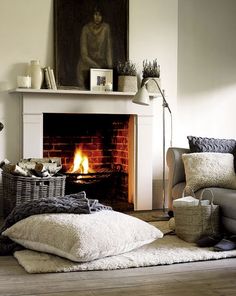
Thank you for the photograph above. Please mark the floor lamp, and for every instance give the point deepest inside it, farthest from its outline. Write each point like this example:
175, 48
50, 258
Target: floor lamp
142, 98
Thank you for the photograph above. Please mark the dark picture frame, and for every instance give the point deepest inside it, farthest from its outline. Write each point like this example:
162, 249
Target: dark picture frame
70, 17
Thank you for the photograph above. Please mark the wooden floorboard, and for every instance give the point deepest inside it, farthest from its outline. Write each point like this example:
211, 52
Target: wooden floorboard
207, 278
217, 277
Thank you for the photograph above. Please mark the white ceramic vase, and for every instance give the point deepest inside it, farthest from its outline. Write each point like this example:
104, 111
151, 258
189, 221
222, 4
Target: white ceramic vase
36, 73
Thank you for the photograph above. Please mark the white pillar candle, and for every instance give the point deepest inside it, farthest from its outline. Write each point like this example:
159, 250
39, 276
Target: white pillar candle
24, 81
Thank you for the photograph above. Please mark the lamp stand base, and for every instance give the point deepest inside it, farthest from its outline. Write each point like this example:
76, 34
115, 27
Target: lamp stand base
162, 216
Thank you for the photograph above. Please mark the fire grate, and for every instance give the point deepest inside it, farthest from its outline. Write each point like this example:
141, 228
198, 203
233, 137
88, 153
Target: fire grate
90, 178
104, 184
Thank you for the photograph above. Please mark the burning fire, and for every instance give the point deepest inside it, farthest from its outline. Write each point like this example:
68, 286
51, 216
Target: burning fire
81, 163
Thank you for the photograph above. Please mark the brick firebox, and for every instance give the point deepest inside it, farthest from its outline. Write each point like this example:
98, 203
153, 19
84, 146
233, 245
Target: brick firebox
102, 138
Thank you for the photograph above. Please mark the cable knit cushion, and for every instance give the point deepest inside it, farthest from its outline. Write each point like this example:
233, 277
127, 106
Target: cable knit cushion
83, 237
208, 169
199, 144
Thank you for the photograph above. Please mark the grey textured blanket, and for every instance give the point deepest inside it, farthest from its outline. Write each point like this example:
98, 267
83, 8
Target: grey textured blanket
74, 203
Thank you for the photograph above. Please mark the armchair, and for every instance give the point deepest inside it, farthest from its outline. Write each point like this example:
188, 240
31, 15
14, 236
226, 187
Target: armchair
225, 198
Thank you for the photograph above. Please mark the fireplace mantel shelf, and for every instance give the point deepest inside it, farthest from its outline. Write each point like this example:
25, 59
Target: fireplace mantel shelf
74, 92
71, 92
39, 101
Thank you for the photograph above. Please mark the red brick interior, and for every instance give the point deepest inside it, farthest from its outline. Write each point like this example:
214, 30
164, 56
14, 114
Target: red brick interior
102, 138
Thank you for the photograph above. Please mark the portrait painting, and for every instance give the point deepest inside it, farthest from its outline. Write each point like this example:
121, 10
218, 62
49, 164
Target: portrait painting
89, 34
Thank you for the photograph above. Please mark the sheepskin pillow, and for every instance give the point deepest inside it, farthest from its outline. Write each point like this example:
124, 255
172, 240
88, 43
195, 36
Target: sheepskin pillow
83, 237
209, 169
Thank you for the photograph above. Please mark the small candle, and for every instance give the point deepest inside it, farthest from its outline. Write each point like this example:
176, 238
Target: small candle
108, 87
24, 81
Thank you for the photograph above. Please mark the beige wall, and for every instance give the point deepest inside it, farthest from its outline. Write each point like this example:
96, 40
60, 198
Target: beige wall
194, 37
26, 32
153, 33
206, 69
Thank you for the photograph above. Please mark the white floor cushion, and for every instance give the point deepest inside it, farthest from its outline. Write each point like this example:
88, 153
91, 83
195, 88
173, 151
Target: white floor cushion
83, 237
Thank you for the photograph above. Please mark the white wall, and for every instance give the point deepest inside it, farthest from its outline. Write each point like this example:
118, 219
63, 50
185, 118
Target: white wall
206, 69
153, 34
26, 33
197, 37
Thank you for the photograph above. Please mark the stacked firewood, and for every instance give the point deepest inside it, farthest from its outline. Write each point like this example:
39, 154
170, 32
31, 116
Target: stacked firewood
33, 167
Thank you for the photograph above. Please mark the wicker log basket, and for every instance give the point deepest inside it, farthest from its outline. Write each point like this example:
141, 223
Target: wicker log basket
18, 189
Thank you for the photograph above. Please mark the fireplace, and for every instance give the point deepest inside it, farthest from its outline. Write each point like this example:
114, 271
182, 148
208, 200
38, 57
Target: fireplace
95, 152
37, 103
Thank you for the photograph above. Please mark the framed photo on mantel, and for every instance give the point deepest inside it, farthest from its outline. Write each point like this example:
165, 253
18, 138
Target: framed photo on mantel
101, 79
89, 34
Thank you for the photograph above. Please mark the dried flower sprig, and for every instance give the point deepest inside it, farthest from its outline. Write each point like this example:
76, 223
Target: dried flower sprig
151, 69
126, 68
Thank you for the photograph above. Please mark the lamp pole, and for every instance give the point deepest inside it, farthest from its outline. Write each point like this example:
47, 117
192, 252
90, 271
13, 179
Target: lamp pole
142, 98
163, 154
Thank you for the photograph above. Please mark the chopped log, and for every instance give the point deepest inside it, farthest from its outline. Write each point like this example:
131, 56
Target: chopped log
41, 171
8, 168
4, 162
56, 160
29, 165
16, 170
52, 167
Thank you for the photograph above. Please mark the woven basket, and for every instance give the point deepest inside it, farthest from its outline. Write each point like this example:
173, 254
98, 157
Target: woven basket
17, 189
192, 222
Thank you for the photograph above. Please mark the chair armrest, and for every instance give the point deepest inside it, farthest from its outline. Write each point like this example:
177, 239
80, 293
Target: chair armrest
176, 167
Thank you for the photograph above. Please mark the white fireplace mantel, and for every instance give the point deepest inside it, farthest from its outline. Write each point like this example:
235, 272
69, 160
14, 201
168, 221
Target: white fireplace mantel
37, 102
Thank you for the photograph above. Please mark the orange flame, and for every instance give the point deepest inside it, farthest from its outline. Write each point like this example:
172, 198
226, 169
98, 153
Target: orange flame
80, 164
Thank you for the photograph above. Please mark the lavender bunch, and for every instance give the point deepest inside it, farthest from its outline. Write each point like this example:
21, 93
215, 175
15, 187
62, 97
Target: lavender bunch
151, 69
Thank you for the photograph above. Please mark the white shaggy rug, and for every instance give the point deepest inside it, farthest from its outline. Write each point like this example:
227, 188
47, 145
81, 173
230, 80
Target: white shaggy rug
168, 250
